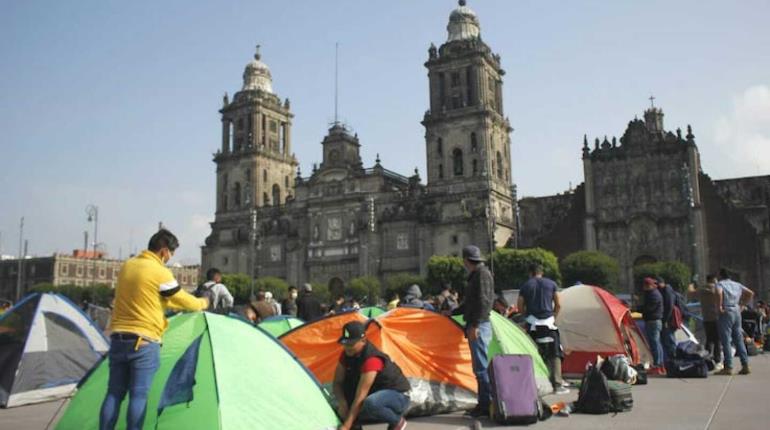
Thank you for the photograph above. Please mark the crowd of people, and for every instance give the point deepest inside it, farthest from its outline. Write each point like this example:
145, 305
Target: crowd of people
368, 385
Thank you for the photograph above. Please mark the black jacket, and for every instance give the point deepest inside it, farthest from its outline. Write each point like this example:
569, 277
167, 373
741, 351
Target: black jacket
652, 308
479, 296
389, 378
309, 307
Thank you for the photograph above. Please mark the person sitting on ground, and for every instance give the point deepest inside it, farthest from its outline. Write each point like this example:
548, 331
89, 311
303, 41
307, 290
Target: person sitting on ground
368, 385
220, 299
308, 306
261, 307
413, 299
289, 304
501, 306
338, 306
449, 302
731, 296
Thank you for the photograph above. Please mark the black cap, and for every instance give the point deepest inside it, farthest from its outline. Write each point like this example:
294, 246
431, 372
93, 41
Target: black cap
472, 253
352, 332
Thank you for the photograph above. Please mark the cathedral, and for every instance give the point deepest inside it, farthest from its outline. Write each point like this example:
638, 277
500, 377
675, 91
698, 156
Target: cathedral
644, 197
347, 220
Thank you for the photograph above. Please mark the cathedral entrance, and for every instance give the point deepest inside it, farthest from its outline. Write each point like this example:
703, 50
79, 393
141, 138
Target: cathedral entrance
336, 287
644, 259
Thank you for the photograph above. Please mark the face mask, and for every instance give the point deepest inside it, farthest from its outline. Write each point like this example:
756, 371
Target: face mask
293, 295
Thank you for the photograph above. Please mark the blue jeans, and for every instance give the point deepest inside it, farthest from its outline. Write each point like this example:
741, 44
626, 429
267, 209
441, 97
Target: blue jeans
131, 371
384, 406
730, 333
668, 341
480, 362
652, 330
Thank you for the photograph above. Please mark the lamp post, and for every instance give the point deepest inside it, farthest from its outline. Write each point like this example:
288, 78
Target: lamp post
21, 259
93, 216
252, 250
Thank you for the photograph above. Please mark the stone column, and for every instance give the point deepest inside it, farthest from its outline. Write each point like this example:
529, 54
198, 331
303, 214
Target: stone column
590, 228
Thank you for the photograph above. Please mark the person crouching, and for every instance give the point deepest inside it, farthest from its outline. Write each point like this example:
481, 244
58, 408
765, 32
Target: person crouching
368, 385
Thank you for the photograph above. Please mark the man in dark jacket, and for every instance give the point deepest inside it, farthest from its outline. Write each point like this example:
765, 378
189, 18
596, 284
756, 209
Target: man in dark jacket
667, 334
413, 299
479, 296
289, 305
368, 385
652, 312
308, 305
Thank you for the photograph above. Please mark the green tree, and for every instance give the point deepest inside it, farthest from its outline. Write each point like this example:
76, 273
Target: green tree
398, 283
512, 266
592, 268
445, 270
239, 285
364, 287
277, 286
675, 273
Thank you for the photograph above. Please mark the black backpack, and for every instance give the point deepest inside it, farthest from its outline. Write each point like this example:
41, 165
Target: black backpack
594, 396
205, 291
620, 396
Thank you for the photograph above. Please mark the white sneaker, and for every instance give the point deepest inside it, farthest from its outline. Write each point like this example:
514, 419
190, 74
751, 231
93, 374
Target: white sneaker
560, 390
718, 367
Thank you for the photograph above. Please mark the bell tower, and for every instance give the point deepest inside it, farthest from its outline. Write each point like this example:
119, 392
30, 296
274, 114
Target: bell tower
255, 165
467, 136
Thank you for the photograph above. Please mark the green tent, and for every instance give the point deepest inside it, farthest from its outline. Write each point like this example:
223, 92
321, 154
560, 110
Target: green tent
372, 311
508, 338
241, 378
279, 325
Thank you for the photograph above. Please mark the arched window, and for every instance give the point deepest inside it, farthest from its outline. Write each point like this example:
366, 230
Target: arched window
475, 167
457, 162
237, 194
441, 171
499, 165
440, 146
264, 176
474, 143
276, 195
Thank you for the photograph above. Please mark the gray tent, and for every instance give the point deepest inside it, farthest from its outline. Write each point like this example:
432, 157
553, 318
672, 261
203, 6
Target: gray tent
46, 346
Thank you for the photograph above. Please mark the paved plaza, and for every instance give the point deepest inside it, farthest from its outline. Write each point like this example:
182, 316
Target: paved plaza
718, 402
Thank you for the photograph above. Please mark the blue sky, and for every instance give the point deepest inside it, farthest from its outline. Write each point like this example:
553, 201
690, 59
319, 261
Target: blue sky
115, 103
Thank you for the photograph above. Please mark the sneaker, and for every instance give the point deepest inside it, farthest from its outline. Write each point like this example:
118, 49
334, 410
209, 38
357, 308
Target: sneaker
477, 412
744, 370
566, 384
718, 367
560, 390
725, 371
401, 425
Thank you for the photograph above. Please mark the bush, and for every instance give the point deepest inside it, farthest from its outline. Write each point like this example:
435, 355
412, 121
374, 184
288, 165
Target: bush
277, 286
364, 287
397, 284
444, 270
676, 274
239, 285
512, 266
592, 268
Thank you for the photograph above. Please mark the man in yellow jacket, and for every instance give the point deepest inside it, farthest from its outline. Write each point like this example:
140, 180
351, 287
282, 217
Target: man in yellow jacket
145, 287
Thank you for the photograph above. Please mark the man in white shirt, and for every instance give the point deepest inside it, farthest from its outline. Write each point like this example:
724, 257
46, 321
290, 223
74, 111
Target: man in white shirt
220, 298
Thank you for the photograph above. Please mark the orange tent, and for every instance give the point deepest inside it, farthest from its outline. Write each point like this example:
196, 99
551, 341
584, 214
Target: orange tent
430, 349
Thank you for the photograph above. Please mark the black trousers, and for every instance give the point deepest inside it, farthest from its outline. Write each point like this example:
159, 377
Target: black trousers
713, 343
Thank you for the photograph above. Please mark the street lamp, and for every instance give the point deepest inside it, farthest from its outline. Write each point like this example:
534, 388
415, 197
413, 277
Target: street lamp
93, 216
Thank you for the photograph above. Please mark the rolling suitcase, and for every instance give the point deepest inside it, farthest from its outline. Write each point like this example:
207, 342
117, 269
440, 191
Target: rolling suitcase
514, 391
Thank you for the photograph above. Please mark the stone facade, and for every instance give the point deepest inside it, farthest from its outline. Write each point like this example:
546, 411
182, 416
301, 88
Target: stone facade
645, 198
345, 220
62, 269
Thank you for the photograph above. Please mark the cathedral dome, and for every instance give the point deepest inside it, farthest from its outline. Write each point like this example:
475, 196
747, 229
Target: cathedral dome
463, 23
257, 75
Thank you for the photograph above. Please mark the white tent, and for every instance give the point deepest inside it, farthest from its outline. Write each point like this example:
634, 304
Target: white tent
46, 346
